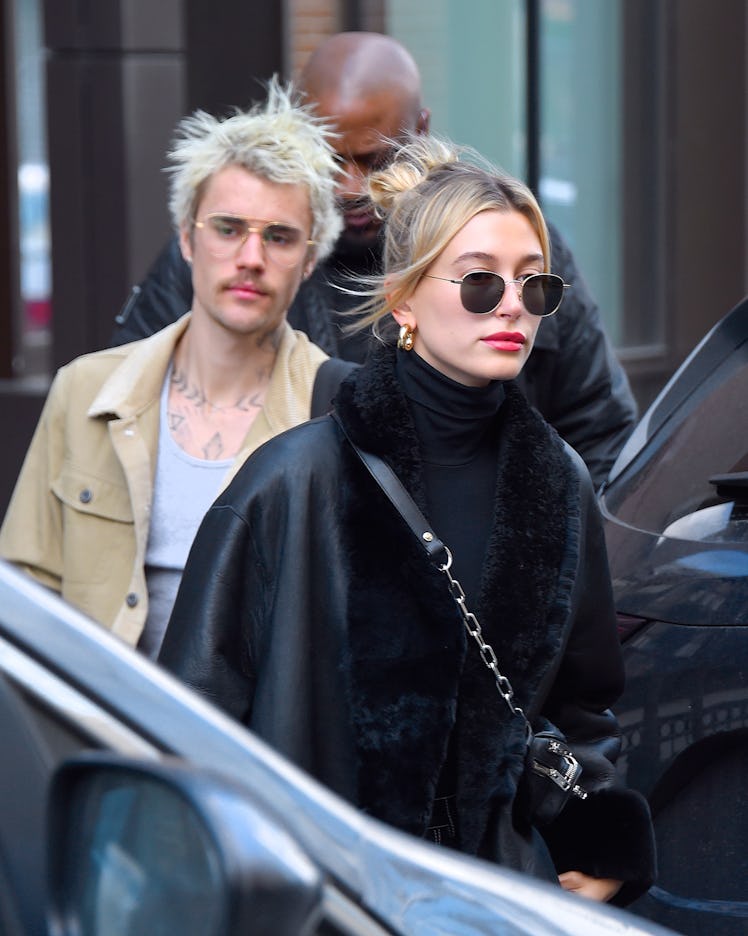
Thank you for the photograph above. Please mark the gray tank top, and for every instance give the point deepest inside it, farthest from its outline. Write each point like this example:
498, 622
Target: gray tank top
183, 490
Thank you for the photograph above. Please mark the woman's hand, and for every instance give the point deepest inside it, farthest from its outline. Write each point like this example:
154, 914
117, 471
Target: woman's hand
601, 889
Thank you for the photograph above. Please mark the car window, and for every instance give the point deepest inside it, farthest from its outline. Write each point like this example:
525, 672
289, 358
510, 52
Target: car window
43, 721
65, 720
667, 489
61, 738
24, 778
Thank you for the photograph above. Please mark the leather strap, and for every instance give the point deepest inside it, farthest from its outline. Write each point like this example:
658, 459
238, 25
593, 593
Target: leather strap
401, 500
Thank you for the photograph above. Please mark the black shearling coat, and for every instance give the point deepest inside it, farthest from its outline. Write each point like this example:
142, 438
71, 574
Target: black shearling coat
308, 611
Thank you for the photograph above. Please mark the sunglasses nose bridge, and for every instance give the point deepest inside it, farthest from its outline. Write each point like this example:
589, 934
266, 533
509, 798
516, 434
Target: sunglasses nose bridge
505, 304
519, 285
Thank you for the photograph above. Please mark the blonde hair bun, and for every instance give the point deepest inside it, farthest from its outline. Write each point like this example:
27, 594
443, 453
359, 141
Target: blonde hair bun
413, 162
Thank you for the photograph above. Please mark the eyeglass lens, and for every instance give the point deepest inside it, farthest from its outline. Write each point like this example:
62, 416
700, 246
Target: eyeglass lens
482, 291
224, 235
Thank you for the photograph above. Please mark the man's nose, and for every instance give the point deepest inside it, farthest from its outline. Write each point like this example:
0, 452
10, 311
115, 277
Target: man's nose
252, 251
352, 181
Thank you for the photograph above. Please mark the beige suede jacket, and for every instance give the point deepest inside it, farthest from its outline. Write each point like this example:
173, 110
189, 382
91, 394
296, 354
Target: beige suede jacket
79, 517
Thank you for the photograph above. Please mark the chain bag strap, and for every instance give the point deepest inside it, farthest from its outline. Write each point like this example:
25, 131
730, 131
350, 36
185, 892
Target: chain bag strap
551, 770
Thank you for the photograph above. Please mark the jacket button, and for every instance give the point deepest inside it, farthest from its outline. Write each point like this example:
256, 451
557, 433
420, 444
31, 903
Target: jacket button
131, 600
85, 496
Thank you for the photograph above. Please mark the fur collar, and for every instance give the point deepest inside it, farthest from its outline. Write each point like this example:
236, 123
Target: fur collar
416, 685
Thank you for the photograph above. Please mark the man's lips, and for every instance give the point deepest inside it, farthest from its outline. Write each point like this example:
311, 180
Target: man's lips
506, 341
245, 290
357, 213
359, 220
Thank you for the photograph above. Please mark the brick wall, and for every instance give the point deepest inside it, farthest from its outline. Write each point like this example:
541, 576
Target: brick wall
309, 22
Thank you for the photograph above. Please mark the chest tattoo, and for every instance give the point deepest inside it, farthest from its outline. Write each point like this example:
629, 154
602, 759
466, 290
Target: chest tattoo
214, 448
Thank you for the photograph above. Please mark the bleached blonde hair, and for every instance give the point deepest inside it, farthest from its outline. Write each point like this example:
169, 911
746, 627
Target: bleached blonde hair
280, 140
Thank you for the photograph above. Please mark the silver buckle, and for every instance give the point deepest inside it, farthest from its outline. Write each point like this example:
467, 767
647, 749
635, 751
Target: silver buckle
566, 779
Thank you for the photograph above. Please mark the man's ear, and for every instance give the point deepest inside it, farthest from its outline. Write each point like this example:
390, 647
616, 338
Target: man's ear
185, 244
310, 263
424, 121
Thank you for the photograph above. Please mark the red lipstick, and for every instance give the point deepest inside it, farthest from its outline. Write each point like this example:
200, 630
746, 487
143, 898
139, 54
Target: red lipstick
505, 341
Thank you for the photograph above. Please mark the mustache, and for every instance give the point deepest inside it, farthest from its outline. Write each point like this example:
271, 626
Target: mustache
357, 203
245, 281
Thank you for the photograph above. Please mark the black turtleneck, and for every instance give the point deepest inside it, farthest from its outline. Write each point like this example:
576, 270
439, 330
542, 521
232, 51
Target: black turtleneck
457, 432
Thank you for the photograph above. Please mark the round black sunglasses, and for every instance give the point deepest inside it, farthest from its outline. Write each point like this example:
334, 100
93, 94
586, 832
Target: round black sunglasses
482, 291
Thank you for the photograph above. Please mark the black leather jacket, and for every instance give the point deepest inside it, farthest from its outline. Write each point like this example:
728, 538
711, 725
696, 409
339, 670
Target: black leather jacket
572, 376
309, 612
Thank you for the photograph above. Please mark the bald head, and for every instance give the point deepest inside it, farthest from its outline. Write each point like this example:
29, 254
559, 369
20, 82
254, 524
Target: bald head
356, 65
369, 88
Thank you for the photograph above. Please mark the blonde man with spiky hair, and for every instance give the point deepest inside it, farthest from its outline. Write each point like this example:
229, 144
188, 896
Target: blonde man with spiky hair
280, 141
135, 442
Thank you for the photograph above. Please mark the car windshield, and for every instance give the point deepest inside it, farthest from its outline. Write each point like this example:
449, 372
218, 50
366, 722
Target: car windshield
689, 482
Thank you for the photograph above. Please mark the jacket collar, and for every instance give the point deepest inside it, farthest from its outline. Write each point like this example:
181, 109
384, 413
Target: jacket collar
137, 382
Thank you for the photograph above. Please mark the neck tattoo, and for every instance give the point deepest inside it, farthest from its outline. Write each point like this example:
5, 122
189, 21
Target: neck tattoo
195, 395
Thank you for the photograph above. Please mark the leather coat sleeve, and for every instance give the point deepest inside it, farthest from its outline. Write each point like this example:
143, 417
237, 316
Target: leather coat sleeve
163, 297
608, 835
206, 643
574, 377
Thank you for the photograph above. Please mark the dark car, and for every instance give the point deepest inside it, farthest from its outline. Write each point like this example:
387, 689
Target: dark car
167, 818
676, 516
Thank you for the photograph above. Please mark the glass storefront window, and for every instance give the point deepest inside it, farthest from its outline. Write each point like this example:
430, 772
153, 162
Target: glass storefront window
473, 65
33, 331
580, 140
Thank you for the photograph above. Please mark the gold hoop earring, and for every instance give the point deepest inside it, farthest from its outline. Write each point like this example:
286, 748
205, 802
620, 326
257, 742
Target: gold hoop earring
406, 339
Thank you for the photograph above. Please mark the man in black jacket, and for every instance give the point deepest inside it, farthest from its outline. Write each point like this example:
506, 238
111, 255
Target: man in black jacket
368, 85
